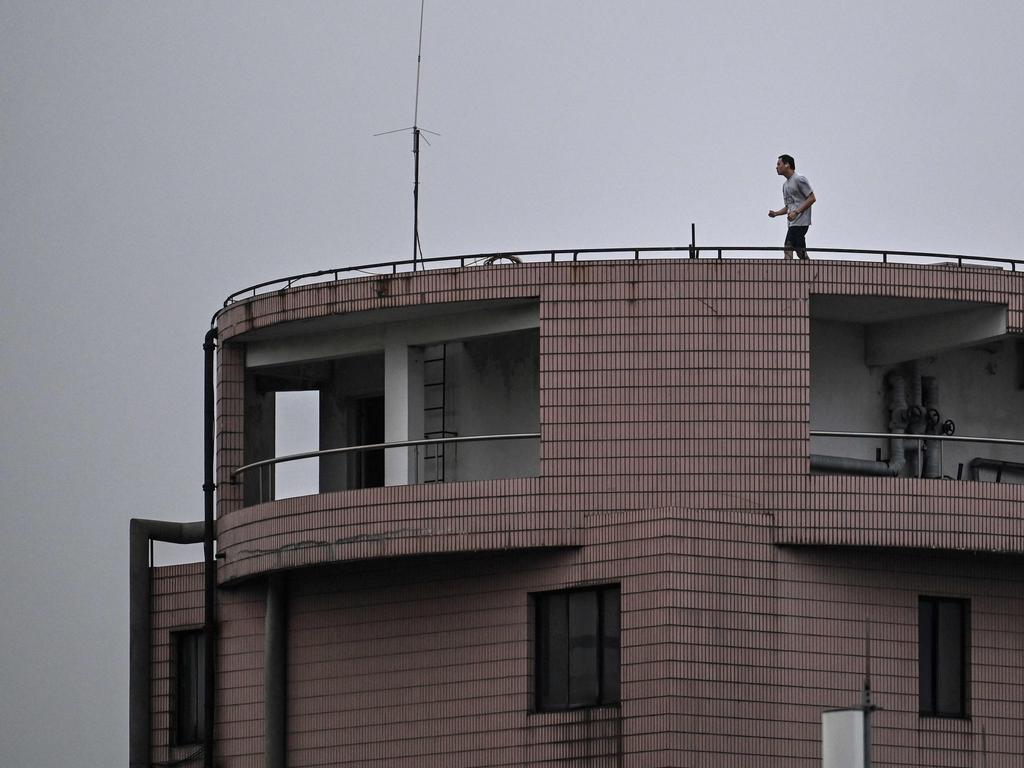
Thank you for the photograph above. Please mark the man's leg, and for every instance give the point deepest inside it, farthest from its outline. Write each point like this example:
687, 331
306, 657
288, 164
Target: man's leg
788, 245
796, 239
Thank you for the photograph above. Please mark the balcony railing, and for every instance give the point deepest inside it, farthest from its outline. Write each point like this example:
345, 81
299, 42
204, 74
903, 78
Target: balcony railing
265, 467
705, 252
922, 444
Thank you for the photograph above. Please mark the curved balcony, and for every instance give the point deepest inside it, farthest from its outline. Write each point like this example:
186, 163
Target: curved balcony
703, 382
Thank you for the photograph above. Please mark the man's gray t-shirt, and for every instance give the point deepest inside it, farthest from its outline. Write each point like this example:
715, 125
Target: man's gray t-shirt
795, 190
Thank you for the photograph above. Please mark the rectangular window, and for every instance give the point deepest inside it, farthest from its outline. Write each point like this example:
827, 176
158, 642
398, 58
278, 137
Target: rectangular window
577, 648
943, 656
189, 676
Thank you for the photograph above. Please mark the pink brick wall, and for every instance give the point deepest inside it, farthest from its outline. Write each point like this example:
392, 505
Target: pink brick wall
674, 461
177, 604
732, 648
662, 383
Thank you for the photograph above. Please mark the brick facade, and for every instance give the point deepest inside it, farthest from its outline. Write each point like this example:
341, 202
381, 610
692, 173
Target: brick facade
674, 418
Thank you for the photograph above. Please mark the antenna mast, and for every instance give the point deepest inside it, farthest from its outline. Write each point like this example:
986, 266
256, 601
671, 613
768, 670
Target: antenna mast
416, 134
416, 149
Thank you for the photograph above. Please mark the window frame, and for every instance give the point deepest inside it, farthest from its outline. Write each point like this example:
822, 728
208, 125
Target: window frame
196, 732
933, 664
605, 678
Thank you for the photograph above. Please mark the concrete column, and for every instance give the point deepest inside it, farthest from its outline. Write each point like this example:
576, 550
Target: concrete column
275, 665
403, 411
334, 432
258, 441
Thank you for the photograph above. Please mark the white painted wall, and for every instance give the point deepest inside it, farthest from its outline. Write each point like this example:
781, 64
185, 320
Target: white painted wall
979, 389
494, 388
846, 394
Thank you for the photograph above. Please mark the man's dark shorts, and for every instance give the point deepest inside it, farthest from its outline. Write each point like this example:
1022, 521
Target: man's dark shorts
796, 238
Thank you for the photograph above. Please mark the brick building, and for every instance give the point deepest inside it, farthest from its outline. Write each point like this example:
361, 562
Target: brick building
693, 505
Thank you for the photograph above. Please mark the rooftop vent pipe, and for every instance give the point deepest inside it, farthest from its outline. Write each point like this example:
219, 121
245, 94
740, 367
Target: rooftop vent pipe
930, 402
898, 419
898, 416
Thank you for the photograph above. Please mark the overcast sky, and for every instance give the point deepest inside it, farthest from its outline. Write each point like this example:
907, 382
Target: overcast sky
156, 156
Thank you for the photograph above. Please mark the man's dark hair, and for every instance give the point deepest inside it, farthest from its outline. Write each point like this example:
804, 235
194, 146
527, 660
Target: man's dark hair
788, 160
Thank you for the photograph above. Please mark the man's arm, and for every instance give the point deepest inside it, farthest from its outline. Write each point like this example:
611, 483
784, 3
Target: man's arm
781, 212
811, 200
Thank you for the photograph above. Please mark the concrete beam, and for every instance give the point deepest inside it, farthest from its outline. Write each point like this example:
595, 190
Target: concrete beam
900, 340
423, 331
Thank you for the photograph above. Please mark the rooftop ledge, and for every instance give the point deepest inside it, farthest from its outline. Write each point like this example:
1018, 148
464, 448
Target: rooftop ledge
552, 256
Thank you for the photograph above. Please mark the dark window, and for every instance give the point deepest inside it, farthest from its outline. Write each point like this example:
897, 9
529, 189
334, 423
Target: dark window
943, 654
189, 699
577, 648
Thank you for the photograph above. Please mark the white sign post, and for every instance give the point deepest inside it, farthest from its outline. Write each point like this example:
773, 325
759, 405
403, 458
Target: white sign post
842, 738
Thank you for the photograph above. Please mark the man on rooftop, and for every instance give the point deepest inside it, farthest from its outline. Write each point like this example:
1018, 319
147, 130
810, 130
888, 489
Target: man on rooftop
798, 198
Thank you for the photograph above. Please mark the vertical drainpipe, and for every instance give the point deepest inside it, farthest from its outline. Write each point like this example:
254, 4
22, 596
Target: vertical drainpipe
210, 575
930, 403
897, 421
275, 681
140, 641
916, 420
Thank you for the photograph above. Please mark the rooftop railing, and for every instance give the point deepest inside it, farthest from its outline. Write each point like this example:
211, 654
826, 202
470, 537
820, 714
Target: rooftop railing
264, 468
704, 252
921, 444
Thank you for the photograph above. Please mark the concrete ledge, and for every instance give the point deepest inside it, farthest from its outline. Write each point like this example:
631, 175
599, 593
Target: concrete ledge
391, 522
905, 513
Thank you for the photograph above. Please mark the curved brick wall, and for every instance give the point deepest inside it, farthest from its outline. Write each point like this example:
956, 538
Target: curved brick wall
663, 384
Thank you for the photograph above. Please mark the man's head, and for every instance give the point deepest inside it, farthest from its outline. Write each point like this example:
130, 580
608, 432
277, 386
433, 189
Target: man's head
785, 166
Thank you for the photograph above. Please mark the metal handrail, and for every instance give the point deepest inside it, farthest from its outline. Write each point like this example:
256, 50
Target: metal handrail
919, 436
387, 268
380, 446
921, 439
